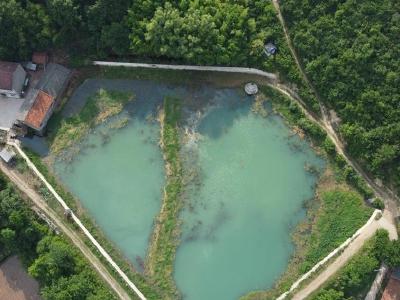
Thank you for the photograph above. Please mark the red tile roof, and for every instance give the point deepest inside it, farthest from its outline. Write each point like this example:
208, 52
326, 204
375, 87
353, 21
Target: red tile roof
40, 58
6, 74
39, 110
392, 291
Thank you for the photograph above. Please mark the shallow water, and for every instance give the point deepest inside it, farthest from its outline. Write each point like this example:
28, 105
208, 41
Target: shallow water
118, 176
238, 219
239, 211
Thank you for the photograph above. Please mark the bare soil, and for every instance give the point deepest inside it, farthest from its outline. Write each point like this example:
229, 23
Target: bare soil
15, 282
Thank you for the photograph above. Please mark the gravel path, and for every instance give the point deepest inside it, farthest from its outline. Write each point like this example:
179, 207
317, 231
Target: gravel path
348, 253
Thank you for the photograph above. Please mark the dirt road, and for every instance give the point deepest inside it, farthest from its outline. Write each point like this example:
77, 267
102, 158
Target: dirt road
383, 223
390, 198
75, 238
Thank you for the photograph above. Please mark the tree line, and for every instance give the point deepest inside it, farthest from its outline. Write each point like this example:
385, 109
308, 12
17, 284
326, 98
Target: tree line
355, 278
349, 48
60, 269
351, 52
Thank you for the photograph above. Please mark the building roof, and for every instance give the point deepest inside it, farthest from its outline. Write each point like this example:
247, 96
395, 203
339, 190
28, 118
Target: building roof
270, 49
7, 155
40, 58
39, 110
53, 80
392, 290
7, 70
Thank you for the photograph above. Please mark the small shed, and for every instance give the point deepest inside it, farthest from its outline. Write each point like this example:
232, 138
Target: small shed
270, 49
30, 66
7, 155
40, 58
251, 88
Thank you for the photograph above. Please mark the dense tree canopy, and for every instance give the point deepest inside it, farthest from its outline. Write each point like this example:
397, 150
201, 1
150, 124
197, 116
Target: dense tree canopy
350, 50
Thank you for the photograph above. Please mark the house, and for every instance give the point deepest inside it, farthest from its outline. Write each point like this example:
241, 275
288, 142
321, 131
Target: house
54, 80
12, 79
40, 111
44, 97
40, 58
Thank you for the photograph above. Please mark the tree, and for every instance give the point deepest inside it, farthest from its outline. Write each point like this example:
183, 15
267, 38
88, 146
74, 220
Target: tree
7, 238
66, 20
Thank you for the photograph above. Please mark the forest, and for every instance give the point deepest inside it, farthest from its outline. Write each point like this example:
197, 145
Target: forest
351, 52
60, 269
349, 49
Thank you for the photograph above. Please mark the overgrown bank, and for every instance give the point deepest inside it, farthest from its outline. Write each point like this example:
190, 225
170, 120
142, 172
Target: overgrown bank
161, 256
60, 268
165, 237
68, 132
144, 284
354, 280
350, 52
337, 210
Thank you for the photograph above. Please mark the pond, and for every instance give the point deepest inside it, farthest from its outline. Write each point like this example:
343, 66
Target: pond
241, 210
249, 183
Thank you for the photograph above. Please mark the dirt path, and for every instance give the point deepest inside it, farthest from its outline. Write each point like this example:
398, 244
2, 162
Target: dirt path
389, 197
383, 192
384, 223
75, 238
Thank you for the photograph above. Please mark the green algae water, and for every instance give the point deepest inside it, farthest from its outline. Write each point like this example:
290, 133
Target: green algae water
118, 176
249, 183
239, 216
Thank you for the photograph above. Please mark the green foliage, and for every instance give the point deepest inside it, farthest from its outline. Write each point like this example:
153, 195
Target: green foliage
166, 235
355, 278
22, 29
66, 20
378, 203
61, 270
350, 50
147, 288
342, 213
70, 131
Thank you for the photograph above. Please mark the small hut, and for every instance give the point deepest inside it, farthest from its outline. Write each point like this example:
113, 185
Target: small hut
7, 155
251, 88
270, 49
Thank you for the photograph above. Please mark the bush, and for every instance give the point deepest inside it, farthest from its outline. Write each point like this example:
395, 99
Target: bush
378, 204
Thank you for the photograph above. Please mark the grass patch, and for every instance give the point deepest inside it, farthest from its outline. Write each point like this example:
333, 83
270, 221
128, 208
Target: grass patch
354, 280
342, 212
335, 214
98, 109
165, 238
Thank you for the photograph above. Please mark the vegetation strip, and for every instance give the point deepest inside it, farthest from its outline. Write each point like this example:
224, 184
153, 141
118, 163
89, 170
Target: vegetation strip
329, 256
165, 238
97, 109
252, 71
144, 284
79, 223
354, 279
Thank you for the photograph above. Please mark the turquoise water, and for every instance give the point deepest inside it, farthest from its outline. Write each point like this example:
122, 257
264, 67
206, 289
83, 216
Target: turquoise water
118, 176
240, 209
238, 219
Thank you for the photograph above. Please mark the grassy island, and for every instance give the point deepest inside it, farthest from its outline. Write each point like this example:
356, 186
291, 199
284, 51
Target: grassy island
166, 233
